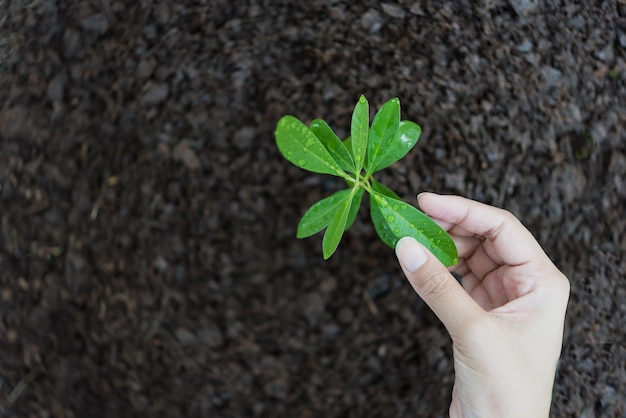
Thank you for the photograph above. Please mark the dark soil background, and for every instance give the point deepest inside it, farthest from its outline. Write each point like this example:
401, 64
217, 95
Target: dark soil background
148, 262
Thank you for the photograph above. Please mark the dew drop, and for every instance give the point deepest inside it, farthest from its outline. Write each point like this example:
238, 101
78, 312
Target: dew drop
412, 226
403, 207
395, 207
301, 162
396, 230
438, 241
357, 157
390, 218
421, 231
310, 141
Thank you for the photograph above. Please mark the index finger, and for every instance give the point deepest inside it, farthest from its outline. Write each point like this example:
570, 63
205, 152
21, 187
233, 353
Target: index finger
512, 242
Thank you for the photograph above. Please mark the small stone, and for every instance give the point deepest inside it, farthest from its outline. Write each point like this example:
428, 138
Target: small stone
416, 9
244, 137
525, 7
331, 331
146, 68
393, 10
155, 94
372, 21
525, 46
55, 88
609, 396
622, 38
607, 55
160, 264
186, 155
185, 336
96, 22
552, 76
71, 42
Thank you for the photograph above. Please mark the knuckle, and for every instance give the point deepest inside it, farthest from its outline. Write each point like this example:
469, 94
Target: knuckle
564, 283
509, 218
437, 284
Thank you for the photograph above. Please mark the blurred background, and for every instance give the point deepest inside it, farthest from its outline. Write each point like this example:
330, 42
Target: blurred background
148, 259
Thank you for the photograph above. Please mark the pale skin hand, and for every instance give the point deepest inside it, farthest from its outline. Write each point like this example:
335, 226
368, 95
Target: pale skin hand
505, 321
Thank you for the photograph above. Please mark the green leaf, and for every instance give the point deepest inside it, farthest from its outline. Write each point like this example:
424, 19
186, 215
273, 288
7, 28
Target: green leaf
359, 131
382, 133
384, 190
354, 209
380, 224
406, 137
318, 216
405, 220
348, 143
333, 145
302, 148
336, 227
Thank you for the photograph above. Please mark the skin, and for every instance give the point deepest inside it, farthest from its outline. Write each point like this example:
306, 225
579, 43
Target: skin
505, 320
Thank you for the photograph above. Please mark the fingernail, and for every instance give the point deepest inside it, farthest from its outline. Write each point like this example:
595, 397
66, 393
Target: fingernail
410, 254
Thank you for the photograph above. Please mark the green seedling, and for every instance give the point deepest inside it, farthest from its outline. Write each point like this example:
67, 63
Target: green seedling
368, 150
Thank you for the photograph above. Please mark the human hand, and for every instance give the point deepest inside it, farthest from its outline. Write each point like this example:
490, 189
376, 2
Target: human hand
505, 321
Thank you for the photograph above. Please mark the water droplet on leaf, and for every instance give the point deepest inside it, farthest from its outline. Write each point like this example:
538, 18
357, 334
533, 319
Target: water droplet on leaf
396, 230
390, 218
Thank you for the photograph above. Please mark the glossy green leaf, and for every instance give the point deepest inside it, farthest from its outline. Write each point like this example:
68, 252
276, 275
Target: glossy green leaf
407, 135
336, 227
380, 224
302, 148
348, 143
359, 130
333, 145
383, 133
384, 190
354, 209
405, 220
318, 216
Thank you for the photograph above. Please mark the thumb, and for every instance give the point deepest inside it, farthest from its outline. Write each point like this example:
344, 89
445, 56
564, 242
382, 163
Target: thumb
439, 289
